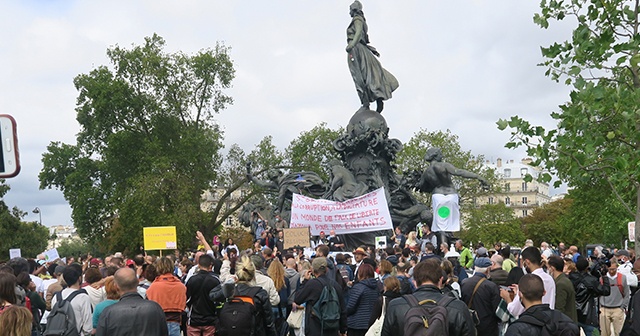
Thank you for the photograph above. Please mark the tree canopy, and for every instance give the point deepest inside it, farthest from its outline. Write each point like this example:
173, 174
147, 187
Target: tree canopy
148, 144
597, 136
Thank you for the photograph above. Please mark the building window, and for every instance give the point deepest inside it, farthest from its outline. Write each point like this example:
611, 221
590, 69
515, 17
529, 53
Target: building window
490, 200
524, 171
507, 173
507, 187
524, 201
524, 186
525, 213
507, 201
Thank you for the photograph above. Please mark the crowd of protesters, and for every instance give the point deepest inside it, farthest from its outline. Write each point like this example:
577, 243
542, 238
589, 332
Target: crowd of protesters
491, 291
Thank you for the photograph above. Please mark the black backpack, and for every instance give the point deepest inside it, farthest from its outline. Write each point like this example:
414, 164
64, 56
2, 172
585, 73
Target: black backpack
327, 308
557, 325
427, 317
62, 320
238, 315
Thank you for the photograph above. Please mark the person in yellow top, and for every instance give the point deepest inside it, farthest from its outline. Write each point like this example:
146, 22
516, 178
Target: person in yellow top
507, 263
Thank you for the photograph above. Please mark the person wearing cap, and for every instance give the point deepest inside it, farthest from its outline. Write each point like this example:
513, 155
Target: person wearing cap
311, 286
458, 269
56, 286
359, 254
321, 240
626, 268
483, 296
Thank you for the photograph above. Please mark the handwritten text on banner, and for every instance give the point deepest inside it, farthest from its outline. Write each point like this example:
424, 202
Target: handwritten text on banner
362, 214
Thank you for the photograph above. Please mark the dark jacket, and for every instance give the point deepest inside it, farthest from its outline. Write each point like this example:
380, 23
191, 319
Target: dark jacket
566, 297
485, 302
362, 299
588, 289
132, 315
265, 325
458, 316
309, 291
542, 313
202, 311
498, 276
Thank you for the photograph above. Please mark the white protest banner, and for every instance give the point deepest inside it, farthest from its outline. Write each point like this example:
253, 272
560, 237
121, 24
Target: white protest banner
381, 242
366, 213
15, 253
632, 231
51, 255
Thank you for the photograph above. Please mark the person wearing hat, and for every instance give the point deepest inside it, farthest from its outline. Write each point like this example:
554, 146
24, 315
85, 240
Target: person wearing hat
311, 286
359, 255
626, 268
458, 269
483, 296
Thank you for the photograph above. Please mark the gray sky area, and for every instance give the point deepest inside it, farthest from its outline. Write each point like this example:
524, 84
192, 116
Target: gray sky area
461, 65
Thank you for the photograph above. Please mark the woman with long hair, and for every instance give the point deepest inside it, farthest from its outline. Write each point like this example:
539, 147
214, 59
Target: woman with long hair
363, 296
281, 283
7, 290
15, 321
168, 291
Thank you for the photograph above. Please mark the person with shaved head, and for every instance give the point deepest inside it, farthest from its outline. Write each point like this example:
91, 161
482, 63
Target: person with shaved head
118, 319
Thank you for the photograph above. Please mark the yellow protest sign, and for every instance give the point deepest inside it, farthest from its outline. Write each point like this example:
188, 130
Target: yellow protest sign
160, 238
296, 237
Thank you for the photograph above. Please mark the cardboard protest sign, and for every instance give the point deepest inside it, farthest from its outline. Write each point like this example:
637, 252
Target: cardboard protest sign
296, 237
366, 213
160, 238
15, 253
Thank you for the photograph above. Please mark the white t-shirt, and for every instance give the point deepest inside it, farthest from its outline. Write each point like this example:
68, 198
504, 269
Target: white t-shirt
81, 308
516, 308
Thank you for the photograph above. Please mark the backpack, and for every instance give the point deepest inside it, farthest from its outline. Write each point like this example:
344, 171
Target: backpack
558, 325
327, 308
238, 315
62, 320
427, 317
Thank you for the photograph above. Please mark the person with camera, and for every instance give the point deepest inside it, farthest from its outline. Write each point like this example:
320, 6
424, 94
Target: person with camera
589, 287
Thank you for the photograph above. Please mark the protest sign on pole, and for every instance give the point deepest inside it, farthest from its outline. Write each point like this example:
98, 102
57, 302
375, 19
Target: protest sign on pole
381, 242
296, 237
160, 238
15, 253
366, 213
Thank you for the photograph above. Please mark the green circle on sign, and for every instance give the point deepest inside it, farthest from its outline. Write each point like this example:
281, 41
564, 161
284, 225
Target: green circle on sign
444, 212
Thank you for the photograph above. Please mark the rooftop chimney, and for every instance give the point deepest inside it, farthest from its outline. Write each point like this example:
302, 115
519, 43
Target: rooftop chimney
499, 163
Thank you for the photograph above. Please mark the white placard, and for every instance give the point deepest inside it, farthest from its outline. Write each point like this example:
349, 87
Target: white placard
381, 242
366, 213
51, 255
632, 231
15, 253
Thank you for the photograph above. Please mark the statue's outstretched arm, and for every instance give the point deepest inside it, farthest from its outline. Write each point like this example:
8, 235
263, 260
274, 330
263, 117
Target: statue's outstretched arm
466, 174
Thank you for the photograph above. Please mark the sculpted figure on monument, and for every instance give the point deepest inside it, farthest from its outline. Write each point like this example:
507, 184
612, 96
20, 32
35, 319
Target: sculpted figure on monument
288, 184
343, 183
373, 82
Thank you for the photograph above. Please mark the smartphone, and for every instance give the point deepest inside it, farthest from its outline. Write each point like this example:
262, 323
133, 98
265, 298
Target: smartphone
9, 155
509, 289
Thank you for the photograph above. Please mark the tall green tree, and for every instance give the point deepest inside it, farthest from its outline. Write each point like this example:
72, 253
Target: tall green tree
547, 223
492, 223
312, 149
597, 137
30, 237
148, 144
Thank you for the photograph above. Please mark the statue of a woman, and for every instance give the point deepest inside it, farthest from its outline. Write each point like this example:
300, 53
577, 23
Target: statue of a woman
373, 82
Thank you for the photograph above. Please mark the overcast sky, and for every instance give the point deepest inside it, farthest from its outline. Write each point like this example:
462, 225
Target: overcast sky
461, 65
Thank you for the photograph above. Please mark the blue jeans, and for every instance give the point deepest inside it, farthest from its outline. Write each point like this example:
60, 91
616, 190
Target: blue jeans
174, 328
588, 330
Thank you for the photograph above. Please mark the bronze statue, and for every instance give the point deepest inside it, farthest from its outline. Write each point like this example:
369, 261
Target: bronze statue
343, 184
373, 82
436, 179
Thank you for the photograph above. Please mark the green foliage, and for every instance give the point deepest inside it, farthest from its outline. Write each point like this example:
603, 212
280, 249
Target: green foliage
547, 223
597, 138
492, 223
313, 149
412, 157
241, 237
147, 146
30, 237
74, 248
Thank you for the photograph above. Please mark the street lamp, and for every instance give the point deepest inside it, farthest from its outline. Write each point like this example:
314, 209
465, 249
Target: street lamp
37, 211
